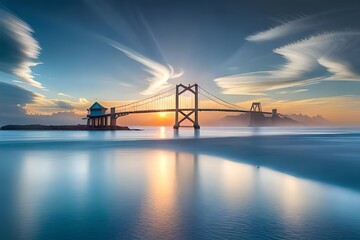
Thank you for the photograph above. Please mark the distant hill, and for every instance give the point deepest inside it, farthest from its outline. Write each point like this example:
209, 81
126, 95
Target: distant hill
311, 121
235, 120
290, 120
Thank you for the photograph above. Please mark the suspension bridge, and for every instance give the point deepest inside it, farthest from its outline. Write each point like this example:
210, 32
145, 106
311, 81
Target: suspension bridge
185, 101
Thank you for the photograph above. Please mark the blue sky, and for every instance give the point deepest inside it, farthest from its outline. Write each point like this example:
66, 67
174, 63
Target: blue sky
60, 56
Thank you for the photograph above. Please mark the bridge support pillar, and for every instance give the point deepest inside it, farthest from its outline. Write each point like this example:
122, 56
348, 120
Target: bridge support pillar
274, 116
186, 115
112, 118
176, 125
196, 111
256, 116
274, 113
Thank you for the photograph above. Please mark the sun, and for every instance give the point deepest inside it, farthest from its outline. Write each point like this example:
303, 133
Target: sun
162, 114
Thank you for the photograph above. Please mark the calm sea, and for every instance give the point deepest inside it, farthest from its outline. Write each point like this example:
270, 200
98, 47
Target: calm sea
53, 188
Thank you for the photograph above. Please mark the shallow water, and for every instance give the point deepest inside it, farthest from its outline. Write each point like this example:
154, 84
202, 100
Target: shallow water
120, 193
151, 133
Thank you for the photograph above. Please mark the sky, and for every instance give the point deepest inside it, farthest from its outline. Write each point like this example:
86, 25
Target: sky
58, 57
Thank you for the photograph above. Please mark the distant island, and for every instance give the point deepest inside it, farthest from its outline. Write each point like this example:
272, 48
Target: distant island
61, 127
293, 120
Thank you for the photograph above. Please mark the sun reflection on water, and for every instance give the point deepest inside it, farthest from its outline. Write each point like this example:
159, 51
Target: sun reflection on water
237, 182
159, 211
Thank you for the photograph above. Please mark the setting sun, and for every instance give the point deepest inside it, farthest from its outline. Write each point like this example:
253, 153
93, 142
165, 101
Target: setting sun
162, 114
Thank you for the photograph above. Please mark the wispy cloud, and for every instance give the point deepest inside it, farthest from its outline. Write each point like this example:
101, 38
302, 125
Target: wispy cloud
295, 91
125, 84
327, 56
258, 83
284, 29
83, 100
19, 49
64, 95
160, 74
300, 24
15, 101
43, 105
22, 106
336, 51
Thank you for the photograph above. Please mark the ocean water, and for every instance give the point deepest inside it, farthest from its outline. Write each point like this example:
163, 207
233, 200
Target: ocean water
138, 186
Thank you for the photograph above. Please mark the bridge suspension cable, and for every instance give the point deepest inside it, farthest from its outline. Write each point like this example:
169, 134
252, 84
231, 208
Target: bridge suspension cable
158, 101
166, 100
218, 100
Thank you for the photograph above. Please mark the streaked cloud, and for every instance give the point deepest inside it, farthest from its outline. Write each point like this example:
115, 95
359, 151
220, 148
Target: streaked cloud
21, 106
124, 84
19, 49
258, 83
159, 74
46, 106
284, 29
83, 100
64, 95
295, 91
299, 24
322, 57
18, 103
336, 51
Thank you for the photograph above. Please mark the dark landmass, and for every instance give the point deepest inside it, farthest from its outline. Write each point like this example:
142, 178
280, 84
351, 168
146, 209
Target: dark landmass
259, 120
235, 120
313, 121
293, 120
61, 127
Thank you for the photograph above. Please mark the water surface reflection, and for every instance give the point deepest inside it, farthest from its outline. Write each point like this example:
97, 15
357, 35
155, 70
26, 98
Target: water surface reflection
157, 194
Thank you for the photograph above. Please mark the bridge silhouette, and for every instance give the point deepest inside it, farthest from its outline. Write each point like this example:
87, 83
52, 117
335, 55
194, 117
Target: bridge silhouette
185, 101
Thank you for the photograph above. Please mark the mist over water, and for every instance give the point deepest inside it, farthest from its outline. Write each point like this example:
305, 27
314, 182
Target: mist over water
155, 133
53, 188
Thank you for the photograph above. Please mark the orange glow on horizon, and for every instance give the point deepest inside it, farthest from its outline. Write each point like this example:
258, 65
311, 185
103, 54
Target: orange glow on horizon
334, 109
162, 114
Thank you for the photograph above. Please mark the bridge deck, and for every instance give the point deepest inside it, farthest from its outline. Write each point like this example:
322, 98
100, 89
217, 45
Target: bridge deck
119, 114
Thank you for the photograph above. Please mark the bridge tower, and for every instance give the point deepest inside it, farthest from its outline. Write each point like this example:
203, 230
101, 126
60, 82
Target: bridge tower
256, 115
180, 89
256, 107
